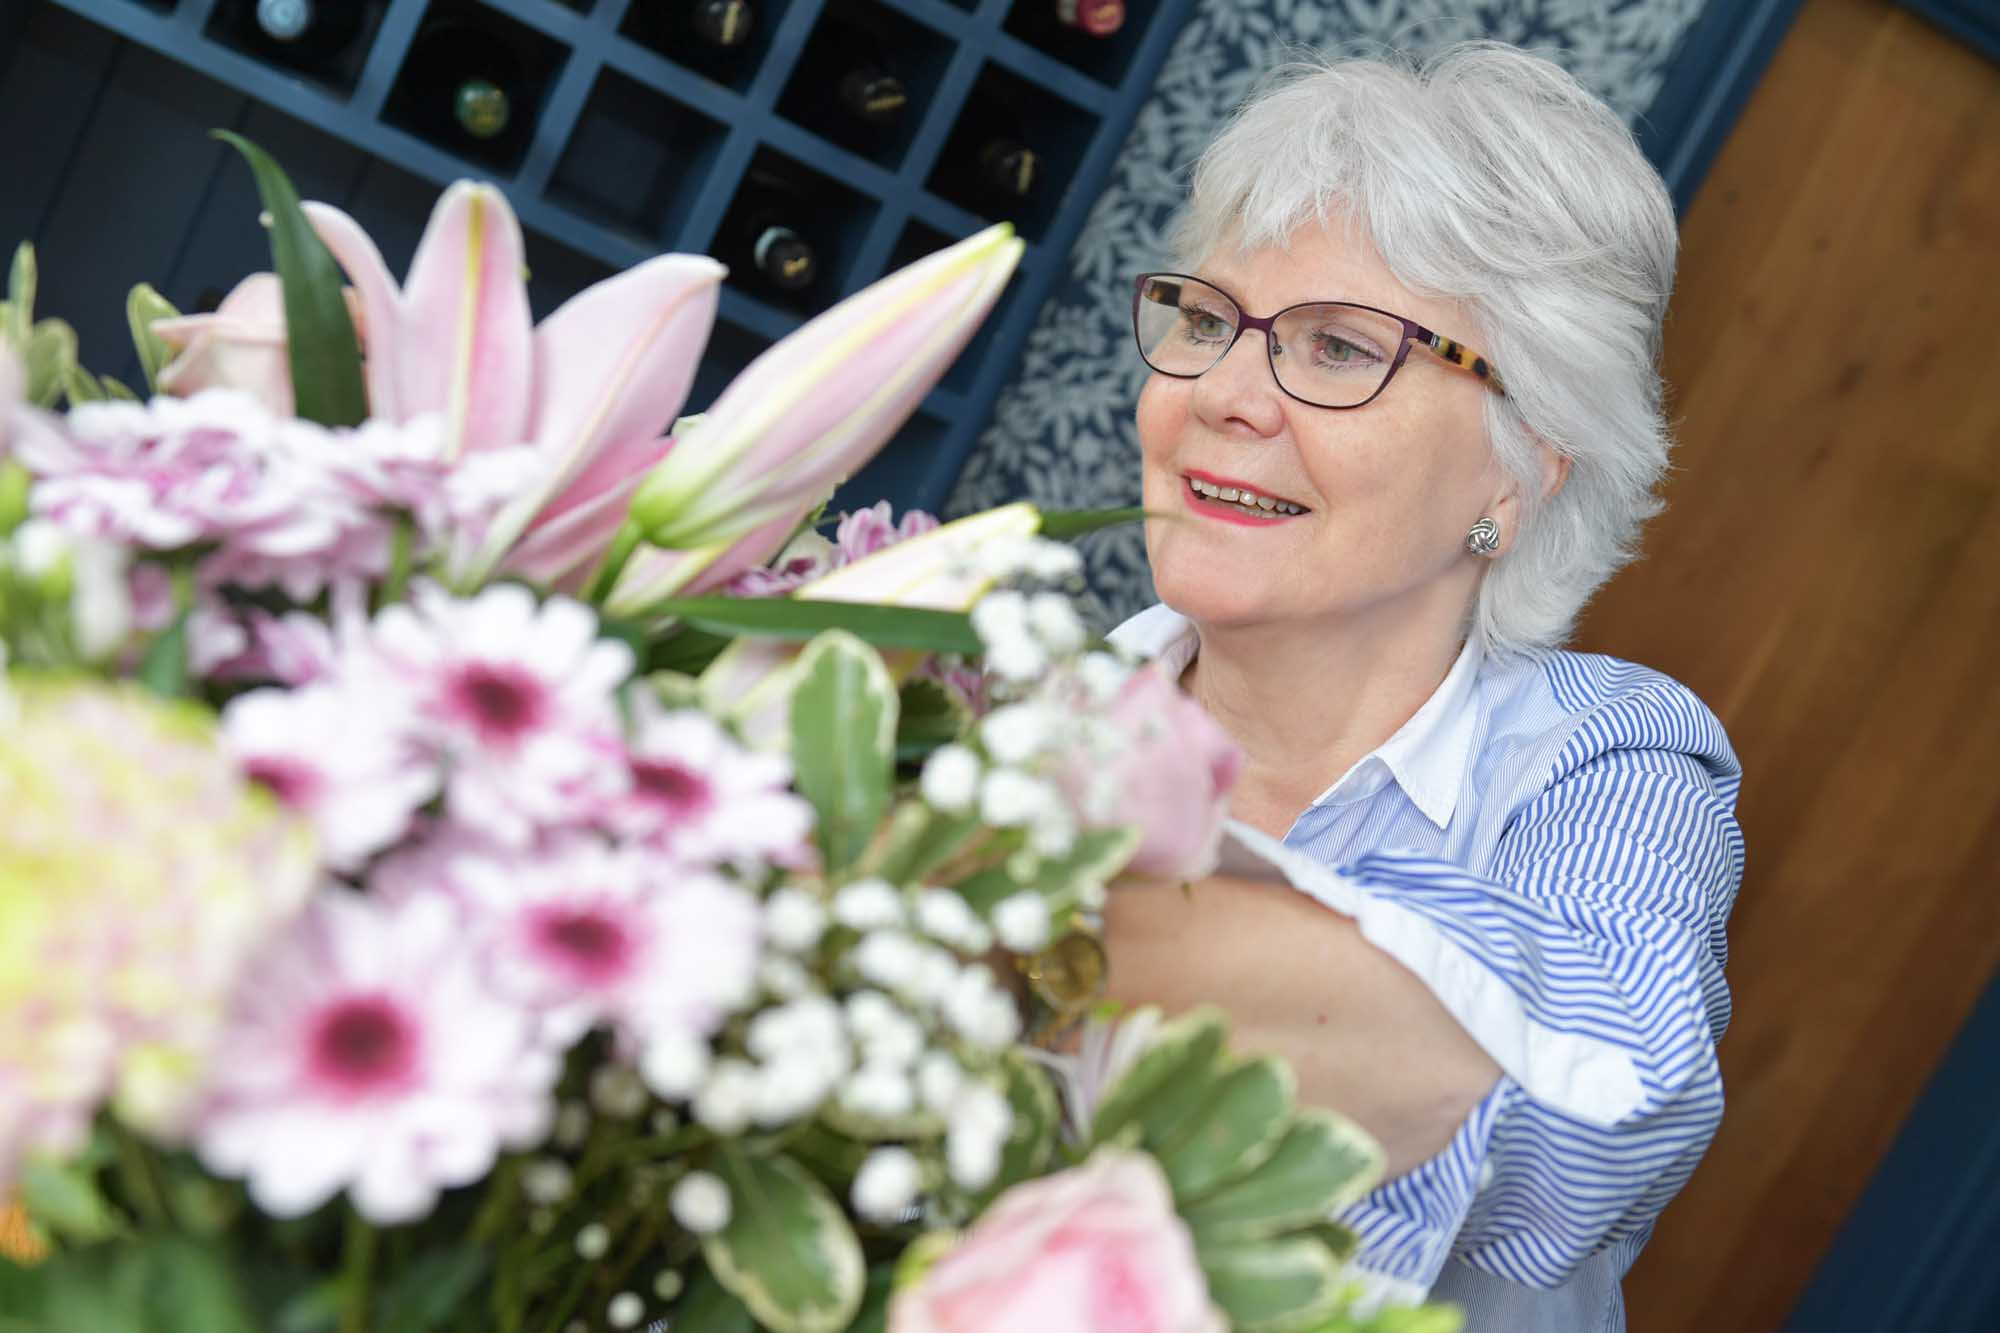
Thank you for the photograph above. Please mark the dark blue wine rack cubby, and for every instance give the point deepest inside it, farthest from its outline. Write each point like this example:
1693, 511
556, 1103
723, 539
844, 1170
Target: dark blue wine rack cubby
628, 136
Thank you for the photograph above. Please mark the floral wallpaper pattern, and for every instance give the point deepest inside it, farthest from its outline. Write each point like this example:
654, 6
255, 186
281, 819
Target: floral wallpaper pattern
1062, 433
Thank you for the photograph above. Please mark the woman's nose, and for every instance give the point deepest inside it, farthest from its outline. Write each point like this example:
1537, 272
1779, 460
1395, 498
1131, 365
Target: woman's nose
1240, 388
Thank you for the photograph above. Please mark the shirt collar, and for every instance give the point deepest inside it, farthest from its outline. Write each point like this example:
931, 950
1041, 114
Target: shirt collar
1427, 756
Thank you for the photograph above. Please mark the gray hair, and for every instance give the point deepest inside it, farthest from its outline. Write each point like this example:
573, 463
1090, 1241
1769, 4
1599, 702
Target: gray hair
1488, 176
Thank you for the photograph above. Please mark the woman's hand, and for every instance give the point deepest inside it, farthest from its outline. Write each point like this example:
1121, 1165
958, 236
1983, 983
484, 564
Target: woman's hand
1364, 1035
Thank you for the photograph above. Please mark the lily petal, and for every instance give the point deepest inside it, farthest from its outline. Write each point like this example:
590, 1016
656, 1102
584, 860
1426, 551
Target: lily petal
466, 346
614, 363
354, 250
578, 525
654, 573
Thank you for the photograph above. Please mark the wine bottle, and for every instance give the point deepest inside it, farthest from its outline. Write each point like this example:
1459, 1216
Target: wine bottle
464, 88
724, 23
1094, 18
1009, 168
766, 236
873, 95
305, 34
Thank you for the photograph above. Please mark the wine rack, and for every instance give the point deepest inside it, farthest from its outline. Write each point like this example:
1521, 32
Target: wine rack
813, 145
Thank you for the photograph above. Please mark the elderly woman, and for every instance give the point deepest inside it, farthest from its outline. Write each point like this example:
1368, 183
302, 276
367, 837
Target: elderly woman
1404, 418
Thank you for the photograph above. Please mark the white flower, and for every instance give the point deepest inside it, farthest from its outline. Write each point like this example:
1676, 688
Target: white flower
546, 1180
889, 958
674, 1064
980, 1010
975, 1133
625, 1310
572, 1125
1016, 733
1022, 922
782, 977
887, 1184
936, 971
951, 779
1103, 675
945, 916
868, 1012
1009, 798
893, 1043
790, 1087
939, 1078
700, 1203
724, 1102
878, 1090
868, 904
592, 1241
1054, 622
1012, 650
793, 919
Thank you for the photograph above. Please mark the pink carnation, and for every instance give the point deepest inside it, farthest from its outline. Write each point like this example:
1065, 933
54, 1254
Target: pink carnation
703, 799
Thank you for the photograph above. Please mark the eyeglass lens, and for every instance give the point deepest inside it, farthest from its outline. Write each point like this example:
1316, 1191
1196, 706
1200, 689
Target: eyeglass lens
1329, 354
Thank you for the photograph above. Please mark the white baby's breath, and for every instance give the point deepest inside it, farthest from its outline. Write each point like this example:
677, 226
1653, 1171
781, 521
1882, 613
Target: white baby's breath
793, 919
951, 779
1022, 922
868, 904
887, 1184
700, 1202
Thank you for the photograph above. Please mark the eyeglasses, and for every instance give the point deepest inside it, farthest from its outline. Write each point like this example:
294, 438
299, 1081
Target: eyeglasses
1323, 353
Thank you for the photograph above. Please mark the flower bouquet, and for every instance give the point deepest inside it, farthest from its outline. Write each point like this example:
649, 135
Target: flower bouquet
476, 857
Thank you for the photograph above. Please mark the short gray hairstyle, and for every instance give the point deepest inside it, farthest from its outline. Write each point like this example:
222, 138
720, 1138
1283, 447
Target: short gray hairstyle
1489, 176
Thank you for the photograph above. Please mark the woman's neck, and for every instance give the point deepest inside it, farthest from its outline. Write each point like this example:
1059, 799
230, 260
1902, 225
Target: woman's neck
1306, 702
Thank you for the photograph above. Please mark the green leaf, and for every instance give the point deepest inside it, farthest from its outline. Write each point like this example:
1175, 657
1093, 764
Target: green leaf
163, 670
709, 1307
80, 386
1273, 1286
929, 716
116, 390
1096, 856
325, 355
1068, 524
47, 356
313, 1310
687, 651
1237, 1126
14, 483
919, 839
22, 278
1323, 1163
143, 308
788, 1252
435, 1286
798, 620
843, 742
1181, 1055
64, 1197
192, 1290
874, 1314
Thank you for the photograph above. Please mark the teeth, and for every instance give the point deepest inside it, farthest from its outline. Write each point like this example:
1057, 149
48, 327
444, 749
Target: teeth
1248, 499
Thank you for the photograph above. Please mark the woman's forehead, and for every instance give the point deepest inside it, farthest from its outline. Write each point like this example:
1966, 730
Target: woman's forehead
1316, 263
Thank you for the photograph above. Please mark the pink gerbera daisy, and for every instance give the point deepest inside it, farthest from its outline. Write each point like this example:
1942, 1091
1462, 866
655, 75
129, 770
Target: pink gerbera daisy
517, 699
336, 760
703, 798
589, 933
368, 1051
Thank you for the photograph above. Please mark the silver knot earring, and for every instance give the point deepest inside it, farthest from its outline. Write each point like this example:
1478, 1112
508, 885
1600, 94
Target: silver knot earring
1484, 539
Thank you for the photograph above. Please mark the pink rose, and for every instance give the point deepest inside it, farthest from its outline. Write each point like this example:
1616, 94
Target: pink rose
1168, 771
1095, 1248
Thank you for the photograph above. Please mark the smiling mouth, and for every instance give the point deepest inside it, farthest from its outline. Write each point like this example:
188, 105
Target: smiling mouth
1245, 500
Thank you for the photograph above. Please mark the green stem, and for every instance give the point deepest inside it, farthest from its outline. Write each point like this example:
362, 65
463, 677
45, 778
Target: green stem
141, 1177
630, 534
401, 552
357, 1272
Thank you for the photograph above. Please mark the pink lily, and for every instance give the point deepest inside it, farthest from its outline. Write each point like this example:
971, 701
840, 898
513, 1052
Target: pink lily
803, 416
592, 388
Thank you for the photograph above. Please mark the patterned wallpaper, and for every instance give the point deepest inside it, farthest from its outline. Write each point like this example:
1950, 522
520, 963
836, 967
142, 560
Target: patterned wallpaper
1062, 433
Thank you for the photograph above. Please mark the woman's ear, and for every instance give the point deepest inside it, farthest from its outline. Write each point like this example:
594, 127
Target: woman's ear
1506, 508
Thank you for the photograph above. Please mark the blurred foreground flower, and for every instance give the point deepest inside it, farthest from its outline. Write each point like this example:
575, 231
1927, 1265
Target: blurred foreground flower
139, 872
1098, 1246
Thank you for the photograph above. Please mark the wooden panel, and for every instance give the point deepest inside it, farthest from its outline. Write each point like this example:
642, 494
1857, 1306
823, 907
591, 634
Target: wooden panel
1827, 577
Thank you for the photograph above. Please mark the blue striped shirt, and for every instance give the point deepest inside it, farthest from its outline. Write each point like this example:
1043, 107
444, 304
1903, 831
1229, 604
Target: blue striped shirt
1550, 845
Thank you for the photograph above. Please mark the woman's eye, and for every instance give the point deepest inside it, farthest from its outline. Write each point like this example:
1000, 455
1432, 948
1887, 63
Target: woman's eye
1338, 351
1204, 324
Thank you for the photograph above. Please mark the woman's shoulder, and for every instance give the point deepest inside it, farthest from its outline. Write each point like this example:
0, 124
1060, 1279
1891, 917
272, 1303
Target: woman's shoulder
1570, 707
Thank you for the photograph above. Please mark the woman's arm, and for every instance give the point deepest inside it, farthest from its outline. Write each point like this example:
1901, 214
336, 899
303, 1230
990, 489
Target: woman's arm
1365, 1035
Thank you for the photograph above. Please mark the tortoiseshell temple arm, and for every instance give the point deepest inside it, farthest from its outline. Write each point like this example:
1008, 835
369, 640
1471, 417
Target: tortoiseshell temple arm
1466, 359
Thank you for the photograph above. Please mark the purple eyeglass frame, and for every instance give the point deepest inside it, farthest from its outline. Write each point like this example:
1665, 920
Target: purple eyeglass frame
1450, 350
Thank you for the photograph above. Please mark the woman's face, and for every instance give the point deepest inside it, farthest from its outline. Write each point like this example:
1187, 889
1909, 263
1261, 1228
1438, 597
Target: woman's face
1389, 490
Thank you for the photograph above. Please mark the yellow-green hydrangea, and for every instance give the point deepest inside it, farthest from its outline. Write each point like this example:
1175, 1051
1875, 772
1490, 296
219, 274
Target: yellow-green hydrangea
138, 872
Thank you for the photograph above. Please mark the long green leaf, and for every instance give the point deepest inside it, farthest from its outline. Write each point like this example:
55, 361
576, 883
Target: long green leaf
1068, 524
843, 717
325, 355
1323, 1163
433, 1288
709, 1307
788, 1252
918, 840
1031, 1142
1273, 1286
21, 279
1240, 1123
145, 307
1094, 858
1180, 1057
796, 619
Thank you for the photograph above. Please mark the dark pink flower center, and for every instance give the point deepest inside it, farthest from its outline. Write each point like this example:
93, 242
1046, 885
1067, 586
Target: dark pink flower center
589, 946
501, 702
291, 781
676, 790
362, 1045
